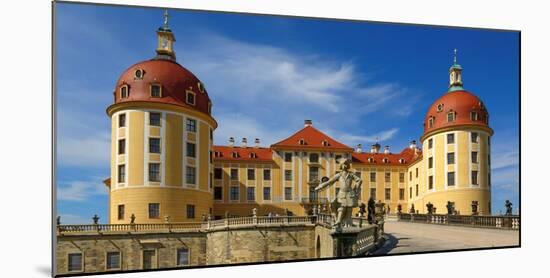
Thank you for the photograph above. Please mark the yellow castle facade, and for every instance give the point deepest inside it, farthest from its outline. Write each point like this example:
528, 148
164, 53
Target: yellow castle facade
165, 166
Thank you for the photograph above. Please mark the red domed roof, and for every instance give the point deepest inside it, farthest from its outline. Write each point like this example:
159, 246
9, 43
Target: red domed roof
467, 108
174, 80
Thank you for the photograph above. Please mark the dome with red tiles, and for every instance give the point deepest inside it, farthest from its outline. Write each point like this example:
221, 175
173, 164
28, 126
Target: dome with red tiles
456, 108
163, 81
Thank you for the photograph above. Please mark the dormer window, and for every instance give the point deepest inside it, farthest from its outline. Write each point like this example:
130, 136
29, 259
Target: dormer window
201, 87
370, 160
474, 116
209, 107
385, 160
217, 154
451, 116
440, 107
235, 155
253, 155
325, 143
190, 97
138, 74
402, 161
124, 92
156, 90
431, 122
301, 142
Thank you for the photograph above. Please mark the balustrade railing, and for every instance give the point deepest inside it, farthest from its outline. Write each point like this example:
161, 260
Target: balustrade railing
484, 221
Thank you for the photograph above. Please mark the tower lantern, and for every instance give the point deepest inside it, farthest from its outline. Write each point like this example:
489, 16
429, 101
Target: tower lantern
455, 76
166, 39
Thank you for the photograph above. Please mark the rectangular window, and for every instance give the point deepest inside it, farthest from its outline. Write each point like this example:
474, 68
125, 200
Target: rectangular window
373, 176
250, 194
430, 182
190, 211
313, 173
387, 177
410, 175
234, 193
191, 125
75, 262
190, 150
124, 92
122, 120
474, 137
267, 193
190, 98
430, 143
416, 172
450, 138
190, 175
451, 179
120, 212
154, 145
474, 116
288, 193
387, 193
155, 90
121, 173
218, 193
113, 260
154, 172
416, 186
430, 162
410, 192
288, 157
451, 117
401, 177
183, 257
267, 174
154, 210
474, 157
450, 158
218, 173
314, 158
234, 174
154, 119
474, 178
288, 175
373, 193
401, 194
250, 174
121, 146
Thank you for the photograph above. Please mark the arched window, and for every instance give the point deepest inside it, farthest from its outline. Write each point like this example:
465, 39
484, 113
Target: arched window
301, 141
124, 91
431, 122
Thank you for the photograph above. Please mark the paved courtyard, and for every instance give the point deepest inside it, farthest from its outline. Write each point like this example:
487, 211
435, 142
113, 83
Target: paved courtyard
405, 237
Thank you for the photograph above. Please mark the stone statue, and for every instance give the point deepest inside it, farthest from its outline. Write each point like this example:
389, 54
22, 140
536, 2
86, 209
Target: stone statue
474, 207
58, 220
362, 209
399, 208
430, 208
347, 197
95, 219
508, 206
371, 208
450, 207
167, 219
132, 219
388, 211
412, 209
254, 212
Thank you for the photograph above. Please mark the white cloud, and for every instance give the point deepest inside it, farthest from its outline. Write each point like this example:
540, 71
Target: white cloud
80, 190
361, 139
91, 151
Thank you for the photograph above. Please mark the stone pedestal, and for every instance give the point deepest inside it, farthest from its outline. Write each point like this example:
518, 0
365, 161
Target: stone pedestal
352, 241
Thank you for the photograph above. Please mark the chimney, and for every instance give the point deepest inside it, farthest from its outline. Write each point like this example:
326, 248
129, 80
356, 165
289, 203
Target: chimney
308, 123
375, 148
243, 143
412, 146
359, 148
387, 149
231, 141
257, 142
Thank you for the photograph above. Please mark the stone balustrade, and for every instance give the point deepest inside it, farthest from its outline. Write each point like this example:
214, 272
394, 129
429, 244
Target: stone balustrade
481, 221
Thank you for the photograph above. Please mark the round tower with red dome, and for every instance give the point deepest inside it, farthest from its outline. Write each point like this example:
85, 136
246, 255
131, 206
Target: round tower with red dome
457, 156
161, 141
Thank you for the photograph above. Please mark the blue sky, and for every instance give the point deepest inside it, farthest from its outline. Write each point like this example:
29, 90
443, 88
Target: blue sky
266, 74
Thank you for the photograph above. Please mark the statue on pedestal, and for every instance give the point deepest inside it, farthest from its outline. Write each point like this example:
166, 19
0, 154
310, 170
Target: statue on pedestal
347, 197
474, 207
371, 208
450, 207
362, 209
95, 219
399, 208
58, 220
412, 209
132, 219
430, 208
508, 206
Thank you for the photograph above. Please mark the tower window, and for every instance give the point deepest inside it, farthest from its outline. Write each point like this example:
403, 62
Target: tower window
430, 143
122, 120
156, 90
154, 145
440, 107
450, 178
190, 175
190, 211
191, 150
138, 74
430, 162
474, 178
431, 122
209, 107
121, 173
154, 210
474, 137
450, 138
450, 158
430, 182
191, 125
121, 146
124, 91
154, 119
190, 97
120, 212
474, 116
451, 117
154, 172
